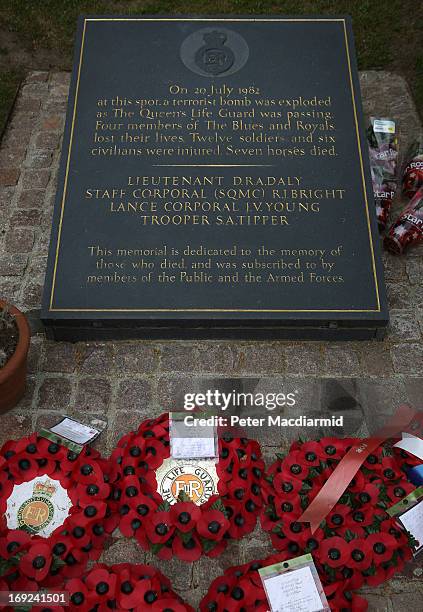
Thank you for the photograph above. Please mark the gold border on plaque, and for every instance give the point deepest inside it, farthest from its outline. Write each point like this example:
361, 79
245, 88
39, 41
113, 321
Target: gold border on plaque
200, 19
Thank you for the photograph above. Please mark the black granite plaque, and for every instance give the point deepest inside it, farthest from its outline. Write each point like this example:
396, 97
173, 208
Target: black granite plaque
214, 182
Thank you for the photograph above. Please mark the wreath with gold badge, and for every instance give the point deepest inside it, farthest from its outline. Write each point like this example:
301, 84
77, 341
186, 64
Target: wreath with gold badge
54, 512
185, 508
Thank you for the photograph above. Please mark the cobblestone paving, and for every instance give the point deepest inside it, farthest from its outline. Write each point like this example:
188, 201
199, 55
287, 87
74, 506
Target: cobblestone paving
128, 381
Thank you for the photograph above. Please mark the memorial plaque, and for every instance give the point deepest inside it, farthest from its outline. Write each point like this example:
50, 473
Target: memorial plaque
214, 183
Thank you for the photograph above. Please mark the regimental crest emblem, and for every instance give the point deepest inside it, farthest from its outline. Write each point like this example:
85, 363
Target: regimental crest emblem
35, 513
214, 57
38, 506
196, 479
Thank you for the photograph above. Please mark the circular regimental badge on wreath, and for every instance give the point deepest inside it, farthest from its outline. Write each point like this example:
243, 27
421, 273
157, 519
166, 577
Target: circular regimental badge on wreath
38, 506
184, 507
54, 512
197, 479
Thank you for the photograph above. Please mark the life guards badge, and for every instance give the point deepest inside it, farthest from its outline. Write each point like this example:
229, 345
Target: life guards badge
195, 478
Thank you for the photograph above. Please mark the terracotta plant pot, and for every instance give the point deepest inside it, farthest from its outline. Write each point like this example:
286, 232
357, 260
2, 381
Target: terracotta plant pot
13, 375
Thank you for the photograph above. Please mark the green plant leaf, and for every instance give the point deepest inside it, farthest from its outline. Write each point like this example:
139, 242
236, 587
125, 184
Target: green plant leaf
183, 497
155, 548
218, 505
164, 506
208, 545
185, 536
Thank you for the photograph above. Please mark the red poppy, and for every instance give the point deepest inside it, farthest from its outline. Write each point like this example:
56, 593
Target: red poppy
130, 489
92, 513
362, 517
383, 546
220, 586
358, 483
161, 527
78, 594
73, 561
311, 454
78, 531
126, 526
269, 518
334, 552
294, 465
280, 541
14, 542
23, 468
398, 491
129, 592
233, 486
369, 494
335, 448
36, 562
391, 470
213, 525
337, 516
225, 471
158, 427
185, 515
187, 548
87, 493
241, 595
360, 555
241, 523
149, 591
101, 581
111, 519
288, 507
87, 471
383, 574
286, 484
50, 450
155, 452
166, 553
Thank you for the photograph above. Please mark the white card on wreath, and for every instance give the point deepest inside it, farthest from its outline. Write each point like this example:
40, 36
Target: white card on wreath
411, 444
413, 522
293, 591
75, 431
191, 442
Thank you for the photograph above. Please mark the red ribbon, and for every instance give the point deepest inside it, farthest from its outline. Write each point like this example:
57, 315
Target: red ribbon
349, 465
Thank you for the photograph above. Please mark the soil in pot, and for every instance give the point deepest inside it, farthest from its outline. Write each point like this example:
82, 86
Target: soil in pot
9, 336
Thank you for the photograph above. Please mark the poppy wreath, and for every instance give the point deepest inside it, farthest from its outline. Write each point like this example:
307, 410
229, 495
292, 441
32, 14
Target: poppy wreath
358, 543
241, 589
28, 560
123, 587
184, 529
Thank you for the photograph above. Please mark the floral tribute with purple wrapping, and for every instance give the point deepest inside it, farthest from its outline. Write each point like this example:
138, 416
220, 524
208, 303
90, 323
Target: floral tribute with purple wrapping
408, 228
185, 530
412, 174
383, 153
358, 543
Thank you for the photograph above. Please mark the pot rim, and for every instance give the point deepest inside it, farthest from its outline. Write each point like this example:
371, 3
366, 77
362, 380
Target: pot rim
22, 347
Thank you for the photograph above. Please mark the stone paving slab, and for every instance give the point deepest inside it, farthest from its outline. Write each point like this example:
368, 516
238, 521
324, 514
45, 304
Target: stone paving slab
130, 381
